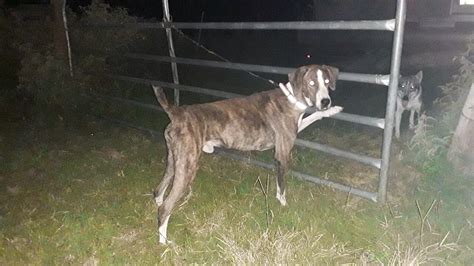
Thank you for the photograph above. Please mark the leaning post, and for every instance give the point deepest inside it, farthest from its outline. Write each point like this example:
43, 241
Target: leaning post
169, 35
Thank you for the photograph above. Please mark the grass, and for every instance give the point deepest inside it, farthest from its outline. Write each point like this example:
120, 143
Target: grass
81, 195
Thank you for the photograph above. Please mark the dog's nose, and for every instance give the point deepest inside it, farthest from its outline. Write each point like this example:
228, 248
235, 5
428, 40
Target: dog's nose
325, 102
405, 98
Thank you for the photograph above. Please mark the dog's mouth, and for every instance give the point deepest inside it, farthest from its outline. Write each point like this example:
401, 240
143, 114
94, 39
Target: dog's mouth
404, 102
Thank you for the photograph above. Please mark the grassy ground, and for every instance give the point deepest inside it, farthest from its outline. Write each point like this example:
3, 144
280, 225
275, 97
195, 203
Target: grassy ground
81, 194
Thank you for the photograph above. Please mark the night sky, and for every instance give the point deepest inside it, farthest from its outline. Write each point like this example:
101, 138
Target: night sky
245, 10
216, 10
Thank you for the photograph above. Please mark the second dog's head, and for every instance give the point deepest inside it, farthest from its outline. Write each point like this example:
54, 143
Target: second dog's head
311, 84
409, 87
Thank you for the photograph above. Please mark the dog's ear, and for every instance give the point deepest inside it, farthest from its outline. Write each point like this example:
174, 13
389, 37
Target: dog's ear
332, 73
419, 76
296, 77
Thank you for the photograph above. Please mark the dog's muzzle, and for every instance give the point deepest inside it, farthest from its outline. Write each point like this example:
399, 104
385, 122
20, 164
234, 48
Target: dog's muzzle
325, 103
405, 101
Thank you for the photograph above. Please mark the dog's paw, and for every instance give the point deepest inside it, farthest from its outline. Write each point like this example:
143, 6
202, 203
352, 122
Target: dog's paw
333, 110
281, 199
165, 242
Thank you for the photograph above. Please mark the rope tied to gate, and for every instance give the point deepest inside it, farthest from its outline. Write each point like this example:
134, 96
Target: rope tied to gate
219, 56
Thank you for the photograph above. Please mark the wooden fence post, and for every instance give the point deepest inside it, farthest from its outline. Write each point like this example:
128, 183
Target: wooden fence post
461, 151
58, 28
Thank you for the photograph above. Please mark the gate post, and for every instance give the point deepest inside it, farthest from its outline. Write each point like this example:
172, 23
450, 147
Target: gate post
391, 100
169, 35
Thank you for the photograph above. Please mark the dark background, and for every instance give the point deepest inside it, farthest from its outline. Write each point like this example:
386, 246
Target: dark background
430, 49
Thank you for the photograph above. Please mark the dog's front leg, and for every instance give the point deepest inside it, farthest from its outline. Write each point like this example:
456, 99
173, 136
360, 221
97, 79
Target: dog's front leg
398, 120
416, 111
282, 157
318, 115
412, 118
281, 168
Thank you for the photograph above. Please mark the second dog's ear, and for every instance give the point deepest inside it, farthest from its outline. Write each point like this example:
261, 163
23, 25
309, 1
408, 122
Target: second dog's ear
332, 72
419, 76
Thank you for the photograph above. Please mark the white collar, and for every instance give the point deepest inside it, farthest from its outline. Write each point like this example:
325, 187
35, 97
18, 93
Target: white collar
288, 91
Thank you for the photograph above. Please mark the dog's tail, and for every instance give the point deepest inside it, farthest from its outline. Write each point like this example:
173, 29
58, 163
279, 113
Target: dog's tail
161, 97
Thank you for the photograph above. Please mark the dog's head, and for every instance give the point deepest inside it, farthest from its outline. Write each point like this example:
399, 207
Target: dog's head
311, 84
409, 87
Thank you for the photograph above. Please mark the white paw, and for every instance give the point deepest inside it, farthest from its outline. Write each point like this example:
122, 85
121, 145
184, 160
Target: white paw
332, 111
281, 199
164, 241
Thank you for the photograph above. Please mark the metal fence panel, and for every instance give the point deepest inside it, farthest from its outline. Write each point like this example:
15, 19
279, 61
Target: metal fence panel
351, 190
396, 25
355, 77
358, 119
384, 25
374, 162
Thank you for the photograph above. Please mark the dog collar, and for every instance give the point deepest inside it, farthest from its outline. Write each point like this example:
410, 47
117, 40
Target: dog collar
288, 91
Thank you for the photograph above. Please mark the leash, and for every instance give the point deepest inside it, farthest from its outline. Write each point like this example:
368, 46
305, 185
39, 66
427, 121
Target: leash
286, 89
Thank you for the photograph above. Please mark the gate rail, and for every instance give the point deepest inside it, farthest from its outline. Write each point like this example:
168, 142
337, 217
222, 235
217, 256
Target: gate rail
395, 25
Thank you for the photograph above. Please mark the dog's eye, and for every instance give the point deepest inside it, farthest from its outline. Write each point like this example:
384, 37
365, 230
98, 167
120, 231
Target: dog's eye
311, 83
326, 81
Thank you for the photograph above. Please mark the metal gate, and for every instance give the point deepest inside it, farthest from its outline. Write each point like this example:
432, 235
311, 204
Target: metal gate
395, 25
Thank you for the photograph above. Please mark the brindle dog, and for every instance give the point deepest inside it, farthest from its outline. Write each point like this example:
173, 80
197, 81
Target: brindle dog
258, 122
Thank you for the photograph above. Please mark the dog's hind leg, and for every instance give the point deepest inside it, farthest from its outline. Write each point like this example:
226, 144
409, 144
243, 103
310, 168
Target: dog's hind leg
160, 190
185, 171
